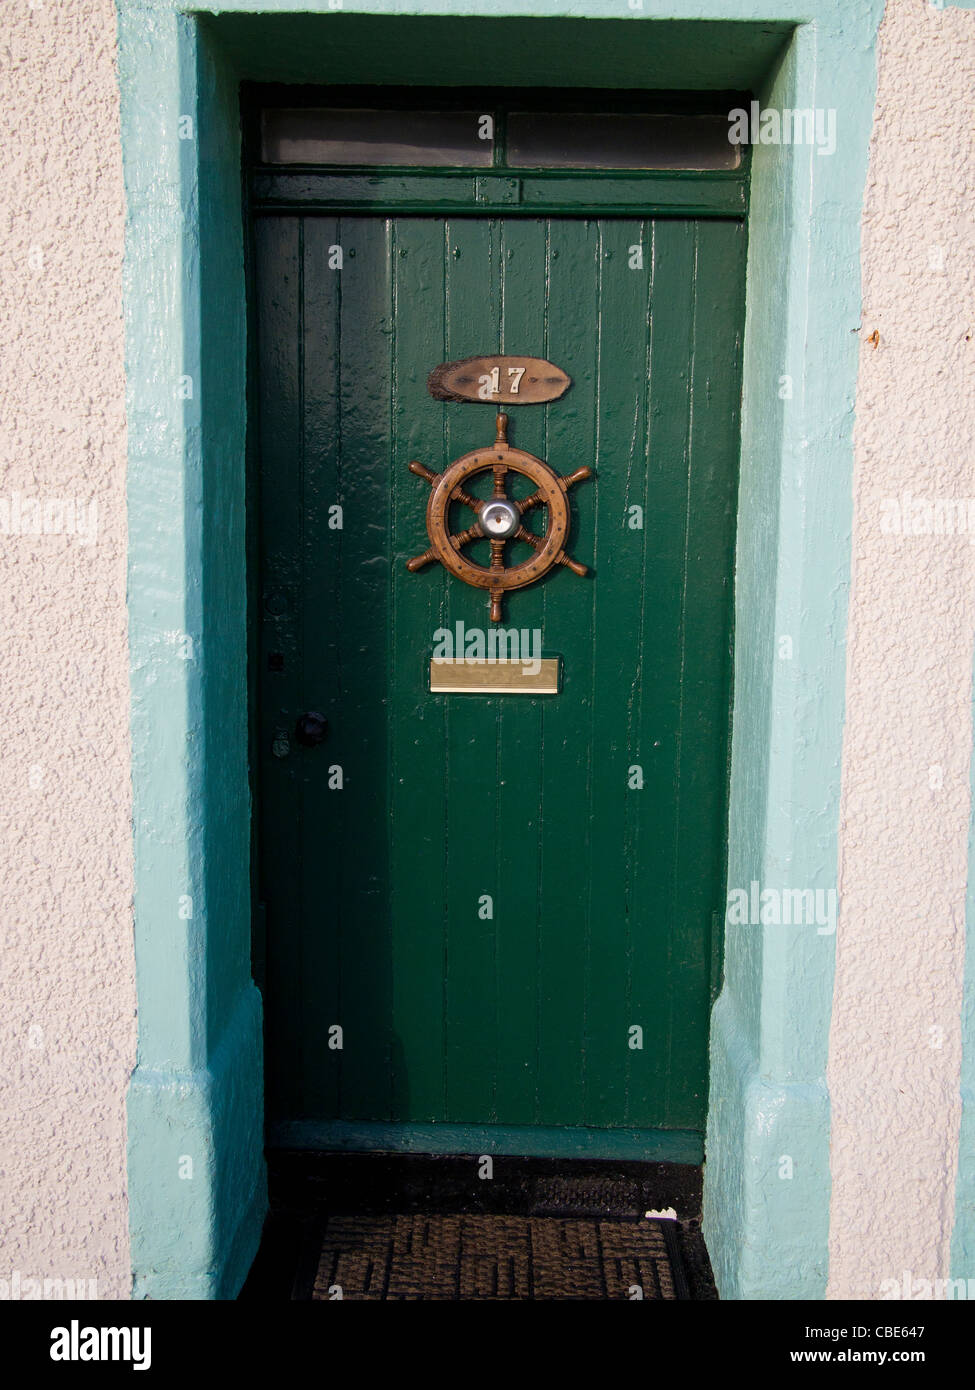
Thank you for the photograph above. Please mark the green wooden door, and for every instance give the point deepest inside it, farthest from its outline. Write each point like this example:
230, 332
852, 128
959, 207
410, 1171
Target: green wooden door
508, 905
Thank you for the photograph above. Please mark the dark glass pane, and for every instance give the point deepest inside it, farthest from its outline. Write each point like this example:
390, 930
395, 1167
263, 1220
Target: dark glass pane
619, 140
317, 135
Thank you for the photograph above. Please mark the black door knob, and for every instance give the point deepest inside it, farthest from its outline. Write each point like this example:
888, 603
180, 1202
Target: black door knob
311, 728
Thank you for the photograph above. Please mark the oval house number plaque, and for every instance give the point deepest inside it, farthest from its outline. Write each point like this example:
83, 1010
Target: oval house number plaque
504, 380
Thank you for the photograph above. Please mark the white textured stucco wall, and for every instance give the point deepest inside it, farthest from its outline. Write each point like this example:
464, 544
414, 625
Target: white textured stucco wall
895, 1039
66, 968
67, 1026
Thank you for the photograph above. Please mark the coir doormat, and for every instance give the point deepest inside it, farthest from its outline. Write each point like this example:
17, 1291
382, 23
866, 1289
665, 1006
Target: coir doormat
461, 1256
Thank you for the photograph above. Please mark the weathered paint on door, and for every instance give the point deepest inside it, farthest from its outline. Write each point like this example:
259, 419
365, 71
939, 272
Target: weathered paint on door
502, 889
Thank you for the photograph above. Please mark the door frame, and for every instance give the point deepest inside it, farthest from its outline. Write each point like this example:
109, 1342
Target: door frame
479, 193
196, 1091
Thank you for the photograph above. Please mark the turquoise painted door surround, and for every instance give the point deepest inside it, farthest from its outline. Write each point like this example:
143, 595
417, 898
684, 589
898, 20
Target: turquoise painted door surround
197, 1086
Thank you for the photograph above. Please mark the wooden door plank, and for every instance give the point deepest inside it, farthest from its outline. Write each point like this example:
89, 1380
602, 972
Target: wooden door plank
657, 750
277, 252
472, 1002
700, 810
523, 261
622, 680
359, 741
566, 857
417, 720
320, 618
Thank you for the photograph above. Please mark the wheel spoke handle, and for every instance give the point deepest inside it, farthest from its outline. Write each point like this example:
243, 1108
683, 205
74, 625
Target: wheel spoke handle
577, 476
573, 565
421, 471
459, 495
536, 500
522, 534
419, 561
472, 533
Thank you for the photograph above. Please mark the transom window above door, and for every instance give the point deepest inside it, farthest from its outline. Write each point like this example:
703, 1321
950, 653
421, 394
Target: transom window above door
522, 135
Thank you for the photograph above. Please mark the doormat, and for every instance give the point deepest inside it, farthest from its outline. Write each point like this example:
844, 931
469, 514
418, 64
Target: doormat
460, 1256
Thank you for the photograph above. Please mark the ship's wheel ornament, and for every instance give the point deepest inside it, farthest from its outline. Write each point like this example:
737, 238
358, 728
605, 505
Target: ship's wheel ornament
498, 518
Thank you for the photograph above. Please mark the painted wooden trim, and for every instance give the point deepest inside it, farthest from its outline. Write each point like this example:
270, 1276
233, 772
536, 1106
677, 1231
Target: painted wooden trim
683, 195
526, 1141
